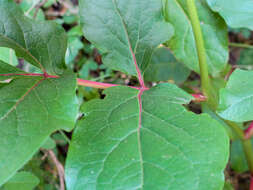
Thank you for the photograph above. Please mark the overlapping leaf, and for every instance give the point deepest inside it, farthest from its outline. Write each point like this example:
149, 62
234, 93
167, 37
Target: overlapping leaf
236, 100
121, 28
118, 146
22, 180
164, 66
237, 14
8, 71
8, 56
183, 43
42, 44
31, 108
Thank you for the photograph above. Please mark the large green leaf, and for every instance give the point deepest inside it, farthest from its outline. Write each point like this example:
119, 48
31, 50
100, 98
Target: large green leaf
237, 13
21, 181
31, 108
164, 66
42, 44
121, 28
183, 44
126, 143
236, 100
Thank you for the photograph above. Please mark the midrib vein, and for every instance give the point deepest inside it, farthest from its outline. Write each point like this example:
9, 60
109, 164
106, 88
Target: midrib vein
25, 50
138, 72
139, 137
22, 98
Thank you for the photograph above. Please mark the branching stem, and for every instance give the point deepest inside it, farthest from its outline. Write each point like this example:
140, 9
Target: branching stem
206, 85
205, 81
240, 45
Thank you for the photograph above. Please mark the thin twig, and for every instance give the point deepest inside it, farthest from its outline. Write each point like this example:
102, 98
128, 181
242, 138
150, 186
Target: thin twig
240, 45
59, 167
38, 6
64, 136
69, 6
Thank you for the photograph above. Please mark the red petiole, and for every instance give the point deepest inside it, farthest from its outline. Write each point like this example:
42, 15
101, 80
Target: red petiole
93, 84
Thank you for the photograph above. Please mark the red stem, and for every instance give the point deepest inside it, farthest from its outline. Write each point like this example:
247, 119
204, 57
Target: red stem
80, 82
199, 97
93, 84
251, 182
141, 81
248, 133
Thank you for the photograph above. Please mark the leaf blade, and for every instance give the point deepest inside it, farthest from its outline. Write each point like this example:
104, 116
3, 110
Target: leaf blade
42, 44
31, 109
237, 14
113, 158
183, 44
236, 98
22, 180
118, 30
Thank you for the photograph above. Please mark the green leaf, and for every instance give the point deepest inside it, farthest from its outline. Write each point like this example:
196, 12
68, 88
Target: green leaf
118, 145
183, 44
121, 28
238, 160
87, 67
74, 46
8, 55
29, 9
42, 44
237, 14
236, 100
31, 108
22, 180
245, 58
207, 110
8, 69
164, 67
49, 144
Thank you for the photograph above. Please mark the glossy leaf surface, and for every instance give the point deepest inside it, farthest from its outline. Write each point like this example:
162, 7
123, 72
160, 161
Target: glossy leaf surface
183, 44
236, 100
42, 44
161, 146
31, 108
125, 30
237, 14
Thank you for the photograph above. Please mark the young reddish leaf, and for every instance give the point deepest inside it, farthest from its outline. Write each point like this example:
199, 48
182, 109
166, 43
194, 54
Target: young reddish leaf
125, 31
31, 108
120, 145
42, 44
